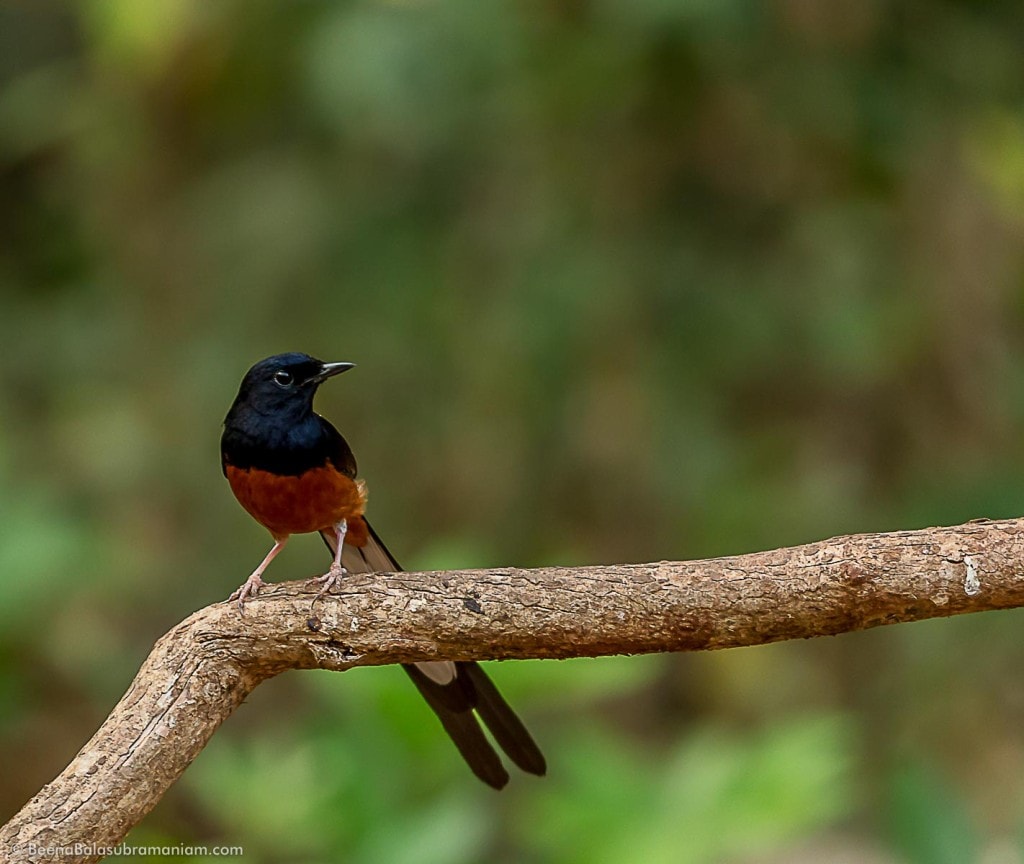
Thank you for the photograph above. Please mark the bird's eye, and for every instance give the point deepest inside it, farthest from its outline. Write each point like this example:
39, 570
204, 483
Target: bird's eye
283, 379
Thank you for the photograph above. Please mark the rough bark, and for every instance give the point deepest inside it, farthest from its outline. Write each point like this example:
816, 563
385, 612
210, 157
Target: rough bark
203, 668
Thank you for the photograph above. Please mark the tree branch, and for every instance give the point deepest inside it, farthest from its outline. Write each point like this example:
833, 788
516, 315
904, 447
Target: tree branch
203, 668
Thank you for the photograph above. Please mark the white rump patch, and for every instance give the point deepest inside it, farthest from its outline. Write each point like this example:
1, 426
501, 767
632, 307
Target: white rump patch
439, 671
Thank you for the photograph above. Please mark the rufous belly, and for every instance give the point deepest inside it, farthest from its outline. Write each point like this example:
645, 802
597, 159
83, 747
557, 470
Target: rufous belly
317, 499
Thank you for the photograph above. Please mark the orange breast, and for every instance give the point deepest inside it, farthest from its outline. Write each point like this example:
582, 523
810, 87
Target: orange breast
317, 499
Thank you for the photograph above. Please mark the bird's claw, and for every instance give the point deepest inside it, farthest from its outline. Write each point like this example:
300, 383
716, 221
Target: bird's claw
331, 578
249, 588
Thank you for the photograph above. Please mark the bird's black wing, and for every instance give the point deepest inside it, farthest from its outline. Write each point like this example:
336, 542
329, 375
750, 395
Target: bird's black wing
337, 449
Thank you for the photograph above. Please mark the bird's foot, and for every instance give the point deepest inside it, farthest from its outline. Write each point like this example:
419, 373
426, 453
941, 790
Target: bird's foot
249, 588
331, 578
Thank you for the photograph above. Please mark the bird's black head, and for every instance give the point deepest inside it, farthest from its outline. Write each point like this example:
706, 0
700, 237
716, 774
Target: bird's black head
283, 387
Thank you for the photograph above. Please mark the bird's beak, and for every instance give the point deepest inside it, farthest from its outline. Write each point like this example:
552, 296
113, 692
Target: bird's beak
330, 369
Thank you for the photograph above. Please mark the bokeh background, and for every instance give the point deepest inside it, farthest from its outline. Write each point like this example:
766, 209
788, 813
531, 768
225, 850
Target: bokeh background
625, 282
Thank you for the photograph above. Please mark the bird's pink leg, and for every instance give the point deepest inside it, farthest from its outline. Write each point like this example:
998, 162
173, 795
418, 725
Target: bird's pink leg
333, 576
251, 586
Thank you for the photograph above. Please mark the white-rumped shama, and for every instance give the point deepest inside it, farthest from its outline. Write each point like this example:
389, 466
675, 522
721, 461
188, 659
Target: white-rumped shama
295, 474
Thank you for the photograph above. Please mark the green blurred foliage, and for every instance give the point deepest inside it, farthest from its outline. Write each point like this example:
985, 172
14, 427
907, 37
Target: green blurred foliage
714, 797
638, 280
928, 823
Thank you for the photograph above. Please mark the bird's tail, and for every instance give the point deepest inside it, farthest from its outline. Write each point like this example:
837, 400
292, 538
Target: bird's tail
457, 692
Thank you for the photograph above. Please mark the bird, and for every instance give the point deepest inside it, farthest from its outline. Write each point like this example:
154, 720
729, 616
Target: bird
295, 474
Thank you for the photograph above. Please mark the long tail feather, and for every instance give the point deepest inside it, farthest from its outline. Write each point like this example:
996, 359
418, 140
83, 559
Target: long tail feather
454, 690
